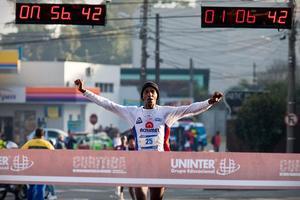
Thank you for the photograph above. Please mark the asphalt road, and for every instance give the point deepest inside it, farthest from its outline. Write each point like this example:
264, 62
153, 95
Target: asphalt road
107, 193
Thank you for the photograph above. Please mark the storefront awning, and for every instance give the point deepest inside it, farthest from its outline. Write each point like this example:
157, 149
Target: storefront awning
56, 94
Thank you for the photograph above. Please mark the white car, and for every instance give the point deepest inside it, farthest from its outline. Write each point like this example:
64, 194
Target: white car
50, 134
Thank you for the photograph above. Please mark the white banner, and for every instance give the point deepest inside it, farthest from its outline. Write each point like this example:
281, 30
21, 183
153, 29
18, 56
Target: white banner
133, 168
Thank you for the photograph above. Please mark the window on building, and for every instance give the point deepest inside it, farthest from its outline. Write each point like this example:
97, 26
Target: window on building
105, 87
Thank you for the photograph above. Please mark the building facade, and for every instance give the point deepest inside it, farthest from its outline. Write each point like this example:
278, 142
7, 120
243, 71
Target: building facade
43, 94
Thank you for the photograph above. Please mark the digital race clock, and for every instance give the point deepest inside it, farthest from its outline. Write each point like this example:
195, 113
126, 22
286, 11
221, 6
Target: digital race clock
78, 14
246, 17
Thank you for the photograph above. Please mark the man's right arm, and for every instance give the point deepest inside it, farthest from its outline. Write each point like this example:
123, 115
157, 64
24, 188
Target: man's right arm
125, 112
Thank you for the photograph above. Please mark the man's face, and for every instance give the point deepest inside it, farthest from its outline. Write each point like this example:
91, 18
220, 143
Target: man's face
150, 96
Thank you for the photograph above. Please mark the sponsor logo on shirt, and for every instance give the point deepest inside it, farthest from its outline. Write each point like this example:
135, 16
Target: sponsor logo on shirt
149, 130
158, 119
149, 125
139, 121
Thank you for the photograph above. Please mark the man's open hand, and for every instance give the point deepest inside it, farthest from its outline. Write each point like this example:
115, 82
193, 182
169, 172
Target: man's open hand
79, 85
216, 97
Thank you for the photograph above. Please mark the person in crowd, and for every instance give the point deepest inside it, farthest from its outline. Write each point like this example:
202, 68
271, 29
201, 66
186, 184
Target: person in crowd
50, 189
150, 120
216, 141
36, 192
70, 141
121, 147
194, 136
60, 144
2, 141
131, 147
116, 140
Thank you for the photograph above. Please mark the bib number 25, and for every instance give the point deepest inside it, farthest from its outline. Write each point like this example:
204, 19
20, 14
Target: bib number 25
149, 141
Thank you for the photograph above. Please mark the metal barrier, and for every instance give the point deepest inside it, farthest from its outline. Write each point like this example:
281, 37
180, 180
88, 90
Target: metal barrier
170, 169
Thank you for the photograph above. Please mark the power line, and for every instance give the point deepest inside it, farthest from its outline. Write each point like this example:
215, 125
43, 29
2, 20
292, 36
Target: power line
197, 1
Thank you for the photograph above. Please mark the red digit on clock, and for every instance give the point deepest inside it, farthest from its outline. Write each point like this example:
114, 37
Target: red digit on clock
282, 18
209, 16
25, 9
240, 16
96, 15
223, 15
65, 15
272, 15
86, 12
55, 12
250, 18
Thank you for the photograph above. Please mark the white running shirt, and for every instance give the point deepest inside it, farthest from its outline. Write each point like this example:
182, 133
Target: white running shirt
151, 127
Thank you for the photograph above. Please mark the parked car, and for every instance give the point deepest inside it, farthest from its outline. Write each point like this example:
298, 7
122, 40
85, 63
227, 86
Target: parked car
97, 141
178, 137
79, 136
50, 134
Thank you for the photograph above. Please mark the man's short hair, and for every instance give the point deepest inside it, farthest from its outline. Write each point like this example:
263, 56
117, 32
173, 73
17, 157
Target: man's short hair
39, 133
150, 84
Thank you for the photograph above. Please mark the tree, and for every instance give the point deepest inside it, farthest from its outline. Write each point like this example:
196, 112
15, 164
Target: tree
260, 120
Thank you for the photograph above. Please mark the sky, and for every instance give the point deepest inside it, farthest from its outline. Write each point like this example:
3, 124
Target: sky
6, 15
223, 64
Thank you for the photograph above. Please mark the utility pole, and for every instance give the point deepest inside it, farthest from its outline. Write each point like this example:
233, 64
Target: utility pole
143, 36
191, 84
157, 56
291, 104
254, 81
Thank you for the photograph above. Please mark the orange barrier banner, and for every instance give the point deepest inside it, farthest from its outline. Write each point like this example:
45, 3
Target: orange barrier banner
170, 169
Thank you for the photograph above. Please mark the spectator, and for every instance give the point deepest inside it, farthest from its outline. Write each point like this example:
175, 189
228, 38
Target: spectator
116, 140
70, 141
60, 144
50, 188
2, 141
216, 141
121, 147
36, 192
194, 138
131, 147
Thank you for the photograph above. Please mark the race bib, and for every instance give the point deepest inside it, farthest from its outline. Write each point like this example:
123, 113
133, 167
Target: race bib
148, 142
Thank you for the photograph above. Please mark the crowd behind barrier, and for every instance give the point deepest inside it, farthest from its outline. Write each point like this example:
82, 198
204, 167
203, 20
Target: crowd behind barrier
184, 137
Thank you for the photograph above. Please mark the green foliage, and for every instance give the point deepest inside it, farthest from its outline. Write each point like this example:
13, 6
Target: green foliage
260, 121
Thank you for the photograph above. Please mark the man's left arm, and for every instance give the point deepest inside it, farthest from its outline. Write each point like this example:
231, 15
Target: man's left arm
196, 108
